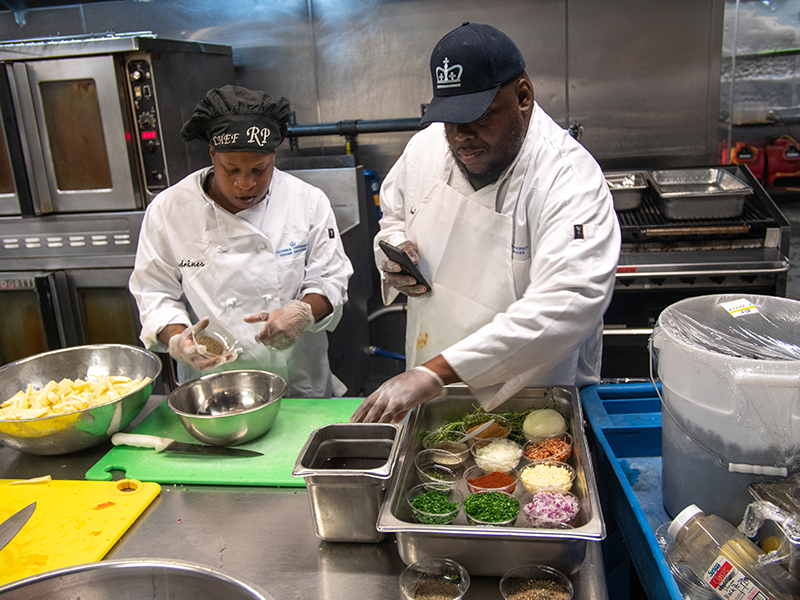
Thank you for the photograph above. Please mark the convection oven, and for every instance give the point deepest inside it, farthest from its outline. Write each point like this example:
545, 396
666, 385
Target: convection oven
93, 125
91, 133
64, 282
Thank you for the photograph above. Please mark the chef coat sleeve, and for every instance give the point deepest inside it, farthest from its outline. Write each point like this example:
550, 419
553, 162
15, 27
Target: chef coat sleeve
575, 248
327, 268
156, 281
393, 219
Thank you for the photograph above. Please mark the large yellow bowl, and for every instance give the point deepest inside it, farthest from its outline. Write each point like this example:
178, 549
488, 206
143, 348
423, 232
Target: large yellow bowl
61, 434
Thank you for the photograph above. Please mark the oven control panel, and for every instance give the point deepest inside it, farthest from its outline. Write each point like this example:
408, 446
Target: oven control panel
146, 124
69, 241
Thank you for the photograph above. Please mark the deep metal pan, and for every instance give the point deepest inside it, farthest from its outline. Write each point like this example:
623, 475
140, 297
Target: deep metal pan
493, 550
627, 188
699, 193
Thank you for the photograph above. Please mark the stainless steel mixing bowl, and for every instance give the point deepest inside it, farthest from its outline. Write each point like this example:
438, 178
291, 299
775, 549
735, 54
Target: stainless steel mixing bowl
229, 408
61, 434
133, 579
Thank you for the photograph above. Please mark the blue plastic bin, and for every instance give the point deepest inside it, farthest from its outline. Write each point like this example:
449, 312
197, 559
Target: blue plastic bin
625, 435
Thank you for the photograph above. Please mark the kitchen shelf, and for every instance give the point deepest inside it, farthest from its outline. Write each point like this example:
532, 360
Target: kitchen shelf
625, 437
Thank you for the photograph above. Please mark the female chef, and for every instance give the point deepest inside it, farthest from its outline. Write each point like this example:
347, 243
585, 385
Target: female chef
246, 245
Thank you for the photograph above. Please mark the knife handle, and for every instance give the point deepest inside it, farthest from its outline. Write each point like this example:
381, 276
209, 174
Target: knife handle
141, 441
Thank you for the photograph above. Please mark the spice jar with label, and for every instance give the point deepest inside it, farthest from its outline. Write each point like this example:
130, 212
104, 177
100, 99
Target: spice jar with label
723, 557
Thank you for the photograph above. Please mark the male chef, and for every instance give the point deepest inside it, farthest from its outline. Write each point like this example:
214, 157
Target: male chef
511, 222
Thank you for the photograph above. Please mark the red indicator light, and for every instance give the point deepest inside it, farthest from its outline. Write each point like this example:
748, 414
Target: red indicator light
148, 135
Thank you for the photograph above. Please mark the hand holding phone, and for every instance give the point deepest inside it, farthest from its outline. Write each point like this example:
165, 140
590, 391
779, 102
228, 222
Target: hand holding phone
407, 265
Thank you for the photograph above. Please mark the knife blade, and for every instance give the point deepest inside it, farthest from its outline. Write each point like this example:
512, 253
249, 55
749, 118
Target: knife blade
13, 524
160, 444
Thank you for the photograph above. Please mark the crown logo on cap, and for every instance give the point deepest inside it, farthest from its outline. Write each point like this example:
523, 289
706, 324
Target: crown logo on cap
448, 77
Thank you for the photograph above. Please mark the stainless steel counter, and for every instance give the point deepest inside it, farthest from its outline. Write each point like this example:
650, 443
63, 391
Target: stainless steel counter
265, 535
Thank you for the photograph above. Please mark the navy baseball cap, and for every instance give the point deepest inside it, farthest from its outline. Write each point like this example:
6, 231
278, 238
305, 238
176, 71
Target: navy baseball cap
468, 66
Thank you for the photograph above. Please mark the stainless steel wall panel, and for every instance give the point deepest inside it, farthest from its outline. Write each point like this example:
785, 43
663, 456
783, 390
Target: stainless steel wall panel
644, 77
640, 74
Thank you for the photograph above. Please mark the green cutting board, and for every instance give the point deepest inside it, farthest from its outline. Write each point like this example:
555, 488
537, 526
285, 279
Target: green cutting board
281, 445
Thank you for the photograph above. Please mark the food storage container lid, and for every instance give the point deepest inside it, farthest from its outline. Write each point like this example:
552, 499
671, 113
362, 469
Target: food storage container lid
741, 326
683, 517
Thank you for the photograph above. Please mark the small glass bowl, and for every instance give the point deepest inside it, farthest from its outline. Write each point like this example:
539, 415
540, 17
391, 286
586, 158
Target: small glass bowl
494, 431
476, 521
517, 581
479, 450
453, 495
550, 509
446, 441
539, 475
216, 339
434, 474
545, 449
475, 471
428, 577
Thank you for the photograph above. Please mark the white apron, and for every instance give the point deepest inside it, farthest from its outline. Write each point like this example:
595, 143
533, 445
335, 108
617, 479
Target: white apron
465, 247
223, 292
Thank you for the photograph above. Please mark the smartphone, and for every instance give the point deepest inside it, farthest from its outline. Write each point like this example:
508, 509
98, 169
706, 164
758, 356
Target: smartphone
408, 267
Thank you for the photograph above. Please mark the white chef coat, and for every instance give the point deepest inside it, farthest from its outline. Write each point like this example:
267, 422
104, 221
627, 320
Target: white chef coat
564, 247
195, 259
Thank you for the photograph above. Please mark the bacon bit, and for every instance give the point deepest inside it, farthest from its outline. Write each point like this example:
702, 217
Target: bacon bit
551, 448
103, 505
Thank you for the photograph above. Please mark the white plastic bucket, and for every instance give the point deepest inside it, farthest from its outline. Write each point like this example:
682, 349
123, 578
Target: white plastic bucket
730, 398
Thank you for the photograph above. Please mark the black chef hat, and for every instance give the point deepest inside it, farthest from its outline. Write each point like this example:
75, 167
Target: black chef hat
236, 119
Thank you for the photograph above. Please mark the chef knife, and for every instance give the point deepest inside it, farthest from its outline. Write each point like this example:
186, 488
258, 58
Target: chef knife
160, 444
12, 525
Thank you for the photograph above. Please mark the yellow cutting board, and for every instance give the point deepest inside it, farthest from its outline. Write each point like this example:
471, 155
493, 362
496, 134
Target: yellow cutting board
74, 522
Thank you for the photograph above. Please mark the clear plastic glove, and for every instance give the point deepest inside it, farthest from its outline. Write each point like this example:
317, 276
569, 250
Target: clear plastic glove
185, 349
390, 402
404, 283
284, 325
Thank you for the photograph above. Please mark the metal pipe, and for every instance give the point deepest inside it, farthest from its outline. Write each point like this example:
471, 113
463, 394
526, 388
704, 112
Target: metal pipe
350, 128
385, 310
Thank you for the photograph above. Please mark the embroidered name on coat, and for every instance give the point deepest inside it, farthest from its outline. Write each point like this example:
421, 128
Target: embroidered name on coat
191, 263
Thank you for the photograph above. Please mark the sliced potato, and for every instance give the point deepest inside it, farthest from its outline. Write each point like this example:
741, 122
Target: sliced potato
67, 396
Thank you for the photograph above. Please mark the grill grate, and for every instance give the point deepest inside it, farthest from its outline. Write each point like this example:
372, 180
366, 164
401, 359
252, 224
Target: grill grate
648, 222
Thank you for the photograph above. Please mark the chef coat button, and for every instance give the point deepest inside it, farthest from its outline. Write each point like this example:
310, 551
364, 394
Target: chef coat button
268, 297
221, 249
231, 302
261, 246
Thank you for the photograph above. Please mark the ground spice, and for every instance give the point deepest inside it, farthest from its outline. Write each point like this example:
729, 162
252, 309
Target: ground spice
435, 587
496, 479
535, 589
495, 430
213, 347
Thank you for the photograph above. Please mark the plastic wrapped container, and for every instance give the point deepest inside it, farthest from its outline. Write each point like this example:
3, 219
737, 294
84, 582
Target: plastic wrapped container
730, 372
